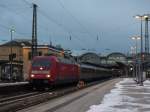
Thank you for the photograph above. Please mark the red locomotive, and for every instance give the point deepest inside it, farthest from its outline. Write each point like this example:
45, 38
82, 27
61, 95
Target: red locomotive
52, 70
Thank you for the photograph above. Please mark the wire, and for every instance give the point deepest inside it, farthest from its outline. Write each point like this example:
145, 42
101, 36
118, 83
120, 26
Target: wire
26, 2
67, 11
42, 13
23, 16
58, 24
7, 28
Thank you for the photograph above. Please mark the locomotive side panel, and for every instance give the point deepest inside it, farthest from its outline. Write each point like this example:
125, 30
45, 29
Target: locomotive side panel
68, 72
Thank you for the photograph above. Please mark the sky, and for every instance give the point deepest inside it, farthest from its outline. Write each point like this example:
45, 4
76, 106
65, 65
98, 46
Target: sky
101, 26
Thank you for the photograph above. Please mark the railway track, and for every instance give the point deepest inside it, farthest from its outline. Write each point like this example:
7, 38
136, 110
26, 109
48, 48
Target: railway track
14, 98
14, 103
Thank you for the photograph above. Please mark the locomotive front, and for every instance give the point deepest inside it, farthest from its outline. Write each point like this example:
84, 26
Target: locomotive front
40, 72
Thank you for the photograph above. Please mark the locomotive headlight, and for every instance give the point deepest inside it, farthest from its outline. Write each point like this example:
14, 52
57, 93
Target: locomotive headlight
48, 76
32, 75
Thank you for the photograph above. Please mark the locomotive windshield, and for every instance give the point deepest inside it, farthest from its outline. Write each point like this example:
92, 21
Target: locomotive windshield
39, 63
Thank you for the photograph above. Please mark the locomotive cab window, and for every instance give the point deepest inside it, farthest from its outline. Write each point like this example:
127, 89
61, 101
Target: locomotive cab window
38, 63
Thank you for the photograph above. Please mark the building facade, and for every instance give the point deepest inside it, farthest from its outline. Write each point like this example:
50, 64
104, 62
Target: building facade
21, 50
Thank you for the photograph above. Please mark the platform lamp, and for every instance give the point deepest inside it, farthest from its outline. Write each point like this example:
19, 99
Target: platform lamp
12, 30
140, 77
136, 38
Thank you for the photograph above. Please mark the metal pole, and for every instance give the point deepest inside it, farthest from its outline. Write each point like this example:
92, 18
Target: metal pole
141, 61
136, 67
141, 37
136, 45
34, 31
11, 67
146, 36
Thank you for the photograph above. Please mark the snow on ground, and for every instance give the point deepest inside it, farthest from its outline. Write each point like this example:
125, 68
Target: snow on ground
127, 96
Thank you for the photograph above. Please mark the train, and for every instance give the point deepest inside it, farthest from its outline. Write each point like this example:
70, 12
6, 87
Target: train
53, 70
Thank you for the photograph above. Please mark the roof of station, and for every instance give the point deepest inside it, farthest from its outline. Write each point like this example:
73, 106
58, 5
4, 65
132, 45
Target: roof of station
90, 57
116, 54
27, 43
18, 42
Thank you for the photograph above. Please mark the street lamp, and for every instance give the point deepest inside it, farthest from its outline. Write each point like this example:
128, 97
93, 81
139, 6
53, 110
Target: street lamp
141, 18
136, 38
140, 78
132, 48
12, 30
147, 18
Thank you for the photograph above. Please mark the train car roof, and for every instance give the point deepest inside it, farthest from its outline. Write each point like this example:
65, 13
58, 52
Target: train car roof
44, 57
59, 59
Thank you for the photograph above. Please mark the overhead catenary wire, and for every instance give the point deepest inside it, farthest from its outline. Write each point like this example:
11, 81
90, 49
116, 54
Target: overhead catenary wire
69, 13
43, 27
59, 24
27, 3
75, 19
23, 16
8, 28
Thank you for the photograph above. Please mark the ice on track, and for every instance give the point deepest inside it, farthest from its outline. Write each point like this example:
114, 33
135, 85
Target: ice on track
127, 96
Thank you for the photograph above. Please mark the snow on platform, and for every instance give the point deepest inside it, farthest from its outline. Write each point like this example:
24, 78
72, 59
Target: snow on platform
127, 96
12, 84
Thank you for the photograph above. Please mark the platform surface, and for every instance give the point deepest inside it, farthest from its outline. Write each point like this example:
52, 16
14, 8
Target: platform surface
127, 96
12, 84
79, 101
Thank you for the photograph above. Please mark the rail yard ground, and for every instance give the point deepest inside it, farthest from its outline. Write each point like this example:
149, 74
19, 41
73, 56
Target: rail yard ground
127, 96
78, 101
117, 95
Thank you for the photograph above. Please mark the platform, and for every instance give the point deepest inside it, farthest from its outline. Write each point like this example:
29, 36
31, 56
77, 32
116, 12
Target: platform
117, 95
12, 84
127, 96
79, 101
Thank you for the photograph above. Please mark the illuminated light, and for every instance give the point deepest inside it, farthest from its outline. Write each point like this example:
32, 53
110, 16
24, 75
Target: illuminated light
48, 76
143, 56
133, 38
138, 16
32, 75
145, 16
136, 37
41, 68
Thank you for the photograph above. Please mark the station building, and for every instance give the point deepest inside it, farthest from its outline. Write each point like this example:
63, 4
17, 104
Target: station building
21, 49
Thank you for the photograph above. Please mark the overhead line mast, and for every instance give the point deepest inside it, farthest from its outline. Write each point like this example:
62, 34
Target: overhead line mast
34, 31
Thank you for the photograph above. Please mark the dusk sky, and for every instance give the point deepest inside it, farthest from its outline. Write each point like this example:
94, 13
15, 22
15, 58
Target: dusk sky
112, 20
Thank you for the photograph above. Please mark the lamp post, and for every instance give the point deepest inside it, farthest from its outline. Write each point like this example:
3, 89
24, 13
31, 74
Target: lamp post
141, 19
136, 38
146, 18
12, 30
140, 78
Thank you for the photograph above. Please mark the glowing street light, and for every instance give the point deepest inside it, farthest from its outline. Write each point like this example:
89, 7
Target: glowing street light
136, 38
12, 30
140, 75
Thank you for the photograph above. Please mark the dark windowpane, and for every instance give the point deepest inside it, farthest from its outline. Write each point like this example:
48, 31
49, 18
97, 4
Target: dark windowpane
38, 63
29, 55
40, 53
